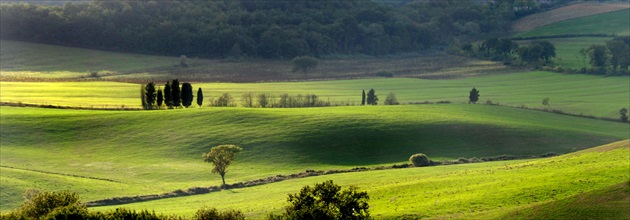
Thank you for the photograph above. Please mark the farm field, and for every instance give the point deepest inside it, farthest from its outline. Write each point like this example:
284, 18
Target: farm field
477, 191
589, 95
23, 61
574, 11
147, 152
611, 23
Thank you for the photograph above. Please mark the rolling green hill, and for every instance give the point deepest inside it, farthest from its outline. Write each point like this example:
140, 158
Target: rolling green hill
587, 180
589, 95
111, 153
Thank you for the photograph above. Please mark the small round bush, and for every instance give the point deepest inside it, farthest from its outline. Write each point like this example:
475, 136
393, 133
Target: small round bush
420, 160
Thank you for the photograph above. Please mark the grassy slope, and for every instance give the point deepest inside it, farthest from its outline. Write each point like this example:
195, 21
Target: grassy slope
567, 49
472, 191
608, 203
617, 22
47, 61
590, 95
157, 151
39, 62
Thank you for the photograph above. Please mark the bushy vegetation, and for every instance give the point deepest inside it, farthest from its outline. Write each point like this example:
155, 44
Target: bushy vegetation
326, 201
281, 29
67, 205
420, 160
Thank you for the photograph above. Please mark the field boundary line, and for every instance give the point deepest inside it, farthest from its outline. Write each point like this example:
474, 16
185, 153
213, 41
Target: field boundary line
308, 173
60, 174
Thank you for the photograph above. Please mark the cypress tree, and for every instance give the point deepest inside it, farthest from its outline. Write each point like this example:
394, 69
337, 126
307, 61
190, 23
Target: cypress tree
142, 98
149, 90
160, 98
187, 94
363, 98
168, 98
199, 97
176, 94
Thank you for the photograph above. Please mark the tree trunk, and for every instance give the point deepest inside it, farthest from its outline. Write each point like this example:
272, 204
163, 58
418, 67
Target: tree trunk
223, 179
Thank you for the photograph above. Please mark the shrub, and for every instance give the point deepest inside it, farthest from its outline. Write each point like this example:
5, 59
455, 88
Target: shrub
213, 214
420, 160
385, 74
326, 201
43, 203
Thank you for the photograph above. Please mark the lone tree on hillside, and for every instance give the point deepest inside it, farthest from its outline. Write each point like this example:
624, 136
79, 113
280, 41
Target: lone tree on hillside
327, 201
149, 95
623, 114
175, 93
474, 96
199, 97
391, 99
187, 94
372, 99
304, 64
221, 157
363, 98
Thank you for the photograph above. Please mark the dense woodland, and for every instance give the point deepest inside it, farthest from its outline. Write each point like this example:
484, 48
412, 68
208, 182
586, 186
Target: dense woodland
266, 29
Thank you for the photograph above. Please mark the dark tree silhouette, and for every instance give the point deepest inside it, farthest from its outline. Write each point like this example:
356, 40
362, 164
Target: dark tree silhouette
623, 114
363, 98
168, 95
187, 95
160, 98
149, 95
304, 64
372, 99
474, 96
199, 97
175, 93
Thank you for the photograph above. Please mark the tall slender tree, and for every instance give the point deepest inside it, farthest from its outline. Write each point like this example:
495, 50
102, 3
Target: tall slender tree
160, 98
168, 96
149, 94
363, 98
187, 94
199, 97
175, 93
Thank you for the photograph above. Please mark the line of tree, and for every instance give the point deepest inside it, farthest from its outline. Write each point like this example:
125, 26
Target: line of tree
612, 58
172, 97
268, 29
537, 53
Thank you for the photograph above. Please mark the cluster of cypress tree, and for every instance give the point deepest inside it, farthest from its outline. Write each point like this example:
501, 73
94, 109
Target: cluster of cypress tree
172, 97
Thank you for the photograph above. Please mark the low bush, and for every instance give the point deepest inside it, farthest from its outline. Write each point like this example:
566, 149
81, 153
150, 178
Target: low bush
420, 160
214, 214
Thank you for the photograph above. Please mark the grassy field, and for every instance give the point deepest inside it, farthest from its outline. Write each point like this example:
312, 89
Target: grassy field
617, 23
114, 153
22, 61
562, 14
590, 95
568, 50
472, 191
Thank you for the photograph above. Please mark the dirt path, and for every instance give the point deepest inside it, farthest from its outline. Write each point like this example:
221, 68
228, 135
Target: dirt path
565, 13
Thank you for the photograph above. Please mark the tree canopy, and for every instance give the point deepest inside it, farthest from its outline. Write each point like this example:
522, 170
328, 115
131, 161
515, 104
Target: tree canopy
221, 157
267, 29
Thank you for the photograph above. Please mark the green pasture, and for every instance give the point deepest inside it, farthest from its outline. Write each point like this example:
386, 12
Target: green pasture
472, 191
124, 153
568, 50
617, 23
31, 60
589, 95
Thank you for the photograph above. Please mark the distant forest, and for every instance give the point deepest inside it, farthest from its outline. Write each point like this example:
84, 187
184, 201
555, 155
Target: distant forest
265, 29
